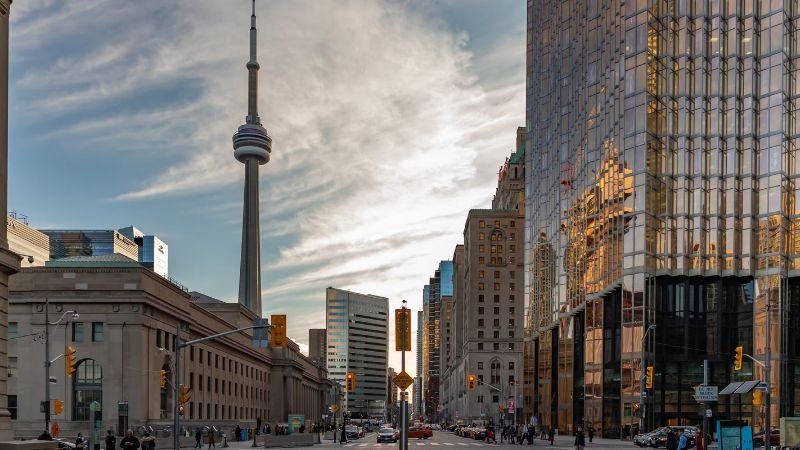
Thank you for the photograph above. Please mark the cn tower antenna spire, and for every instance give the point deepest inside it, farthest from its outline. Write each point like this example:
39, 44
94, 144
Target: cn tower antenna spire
252, 147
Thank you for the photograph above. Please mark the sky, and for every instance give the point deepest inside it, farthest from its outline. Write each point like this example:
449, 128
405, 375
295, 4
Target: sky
389, 121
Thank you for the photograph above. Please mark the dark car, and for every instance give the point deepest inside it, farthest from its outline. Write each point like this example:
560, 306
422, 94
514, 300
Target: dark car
387, 435
774, 438
659, 438
351, 432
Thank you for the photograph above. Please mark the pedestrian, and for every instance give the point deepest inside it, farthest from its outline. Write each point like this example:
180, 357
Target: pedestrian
267, 430
551, 435
683, 440
79, 444
699, 439
148, 442
580, 440
591, 433
523, 434
238, 433
672, 439
211, 438
198, 438
111, 440
129, 442
531, 432
343, 439
503, 433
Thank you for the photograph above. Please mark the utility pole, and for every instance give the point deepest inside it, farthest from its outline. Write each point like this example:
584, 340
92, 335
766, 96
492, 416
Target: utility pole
768, 363
404, 401
705, 404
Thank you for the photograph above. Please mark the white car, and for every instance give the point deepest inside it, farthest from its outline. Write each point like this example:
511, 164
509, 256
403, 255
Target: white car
436, 427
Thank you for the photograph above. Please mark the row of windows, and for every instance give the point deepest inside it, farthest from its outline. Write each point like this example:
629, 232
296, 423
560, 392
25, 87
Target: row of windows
233, 388
497, 248
496, 310
494, 236
511, 298
495, 334
496, 365
482, 274
482, 286
497, 223
98, 334
232, 366
219, 412
496, 346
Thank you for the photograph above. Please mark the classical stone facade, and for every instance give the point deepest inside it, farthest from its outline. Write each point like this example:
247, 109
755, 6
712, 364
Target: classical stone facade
126, 335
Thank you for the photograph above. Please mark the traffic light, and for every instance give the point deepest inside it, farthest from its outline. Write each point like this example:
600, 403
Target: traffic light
648, 378
163, 379
58, 406
737, 358
351, 381
471, 382
181, 409
70, 360
757, 397
278, 332
184, 396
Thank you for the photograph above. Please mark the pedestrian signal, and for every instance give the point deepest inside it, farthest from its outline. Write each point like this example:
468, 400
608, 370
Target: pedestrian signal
351, 382
471, 382
648, 378
737, 358
163, 379
70, 360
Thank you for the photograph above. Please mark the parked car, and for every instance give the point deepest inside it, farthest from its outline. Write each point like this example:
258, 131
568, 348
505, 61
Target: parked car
351, 432
65, 444
774, 438
436, 427
452, 428
645, 439
660, 438
387, 435
420, 432
479, 433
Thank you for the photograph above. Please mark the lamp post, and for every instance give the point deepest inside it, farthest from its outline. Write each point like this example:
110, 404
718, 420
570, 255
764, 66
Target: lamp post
47, 361
643, 409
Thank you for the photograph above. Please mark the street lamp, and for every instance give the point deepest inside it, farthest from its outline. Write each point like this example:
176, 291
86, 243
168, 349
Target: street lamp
643, 407
47, 361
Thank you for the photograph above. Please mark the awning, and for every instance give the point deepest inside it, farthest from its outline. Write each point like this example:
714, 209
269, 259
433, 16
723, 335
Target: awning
740, 387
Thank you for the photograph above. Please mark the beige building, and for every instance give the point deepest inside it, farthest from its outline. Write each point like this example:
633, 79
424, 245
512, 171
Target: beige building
28, 242
9, 262
126, 335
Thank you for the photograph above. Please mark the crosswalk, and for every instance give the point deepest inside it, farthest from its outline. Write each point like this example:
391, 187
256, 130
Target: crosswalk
413, 443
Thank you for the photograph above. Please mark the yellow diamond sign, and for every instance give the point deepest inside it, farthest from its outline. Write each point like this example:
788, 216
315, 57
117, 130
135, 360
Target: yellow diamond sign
403, 380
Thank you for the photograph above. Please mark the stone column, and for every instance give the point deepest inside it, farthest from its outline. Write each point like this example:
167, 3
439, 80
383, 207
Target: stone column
9, 262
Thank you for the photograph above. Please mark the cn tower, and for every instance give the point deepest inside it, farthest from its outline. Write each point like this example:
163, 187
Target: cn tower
252, 147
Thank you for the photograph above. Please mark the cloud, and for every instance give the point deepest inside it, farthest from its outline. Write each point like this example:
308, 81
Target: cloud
383, 136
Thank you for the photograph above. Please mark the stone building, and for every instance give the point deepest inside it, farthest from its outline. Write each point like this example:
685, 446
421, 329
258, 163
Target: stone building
126, 335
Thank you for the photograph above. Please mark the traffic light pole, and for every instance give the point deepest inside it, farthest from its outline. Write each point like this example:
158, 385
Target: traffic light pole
404, 401
47, 365
179, 344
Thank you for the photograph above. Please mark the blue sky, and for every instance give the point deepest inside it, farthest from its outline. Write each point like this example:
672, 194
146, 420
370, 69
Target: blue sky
389, 121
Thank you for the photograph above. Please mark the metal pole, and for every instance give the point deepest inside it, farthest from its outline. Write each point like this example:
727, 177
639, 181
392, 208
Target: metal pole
767, 366
705, 404
47, 364
404, 402
176, 440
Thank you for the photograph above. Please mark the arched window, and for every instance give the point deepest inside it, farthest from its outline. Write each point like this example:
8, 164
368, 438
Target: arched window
495, 372
87, 387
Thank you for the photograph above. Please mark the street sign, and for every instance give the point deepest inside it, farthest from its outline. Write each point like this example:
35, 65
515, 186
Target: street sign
708, 413
260, 333
402, 321
403, 381
762, 385
511, 404
706, 393
334, 408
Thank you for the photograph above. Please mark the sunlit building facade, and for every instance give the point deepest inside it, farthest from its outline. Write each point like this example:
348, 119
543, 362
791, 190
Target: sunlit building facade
662, 189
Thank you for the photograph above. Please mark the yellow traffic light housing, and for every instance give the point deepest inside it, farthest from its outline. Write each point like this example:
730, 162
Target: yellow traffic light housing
58, 406
184, 394
351, 381
757, 397
737, 358
70, 360
163, 379
648, 378
471, 382
278, 331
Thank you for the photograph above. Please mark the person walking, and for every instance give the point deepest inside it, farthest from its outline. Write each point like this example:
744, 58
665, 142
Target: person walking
503, 433
591, 433
211, 438
111, 440
198, 438
551, 435
531, 433
238, 433
580, 440
672, 439
79, 441
148, 442
523, 434
129, 442
699, 439
343, 439
683, 440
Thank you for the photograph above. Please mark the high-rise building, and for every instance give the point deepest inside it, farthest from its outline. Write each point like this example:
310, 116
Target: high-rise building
440, 285
662, 211
153, 252
419, 379
252, 147
392, 414
318, 345
9, 262
358, 342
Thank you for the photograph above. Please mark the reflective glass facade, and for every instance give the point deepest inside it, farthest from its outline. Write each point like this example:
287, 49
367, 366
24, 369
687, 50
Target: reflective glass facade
661, 189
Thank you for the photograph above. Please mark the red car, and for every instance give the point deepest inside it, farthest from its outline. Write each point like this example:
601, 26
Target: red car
420, 432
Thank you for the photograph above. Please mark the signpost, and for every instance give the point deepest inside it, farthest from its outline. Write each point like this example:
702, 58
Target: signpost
706, 393
402, 323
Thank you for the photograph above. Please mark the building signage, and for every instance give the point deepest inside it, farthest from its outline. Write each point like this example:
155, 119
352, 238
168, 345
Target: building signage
706, 393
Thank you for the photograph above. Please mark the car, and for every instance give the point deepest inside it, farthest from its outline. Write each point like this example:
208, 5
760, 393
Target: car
387, 435
645, 439
774, 438
659, 438
452, 428
351, 432
436, 427
420, 432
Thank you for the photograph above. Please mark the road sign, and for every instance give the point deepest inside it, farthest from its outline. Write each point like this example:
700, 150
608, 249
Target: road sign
706, 393
402, 321
708, 413
403, 381
334, 408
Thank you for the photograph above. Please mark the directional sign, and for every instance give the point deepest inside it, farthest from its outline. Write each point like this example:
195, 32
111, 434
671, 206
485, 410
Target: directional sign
403, 381
706, 393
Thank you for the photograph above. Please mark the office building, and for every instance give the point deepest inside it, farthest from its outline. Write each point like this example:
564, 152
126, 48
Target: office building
153, 253
9, 262
358, 342
662, 212
439, 287
67, 243
418, 380
392, 414
318, 345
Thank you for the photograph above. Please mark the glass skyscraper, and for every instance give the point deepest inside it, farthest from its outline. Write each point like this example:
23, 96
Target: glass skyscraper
662, 191
358, 341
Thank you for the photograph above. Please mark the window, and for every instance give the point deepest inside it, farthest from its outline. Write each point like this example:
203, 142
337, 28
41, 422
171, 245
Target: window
201, 356
480, 274
511, 322
511, 346
191, 353
480, 310
512, 259
481, 224
208, 383
512, 224
209, 365
12, 406
497, 310
480, 334
496, 298
480, 379
511, 365
481, 260
200, 383
480, 345
87, 387
496, 346
495, 399
12, 366
481, 286
496, 334
511, 274
510, 298
480, 322
216, 361
481, 248
191, 380
512, 236
481, 236
511, 379
512, 286
216, 385
191, 410
480, 298
511, 310
497, 274
480, 365
77, 333
497, 322
497, 223
13, 331
480, 399
497, 286
511, 334
512, 248
97, 331
200, 410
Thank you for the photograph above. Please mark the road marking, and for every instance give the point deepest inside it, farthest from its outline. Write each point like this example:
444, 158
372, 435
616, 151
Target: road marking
449, 444
435, 443
362, 445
